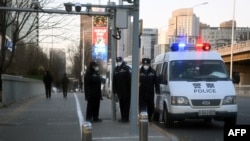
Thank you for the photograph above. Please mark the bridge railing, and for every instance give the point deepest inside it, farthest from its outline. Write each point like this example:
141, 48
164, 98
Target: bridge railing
237, 48
242, 90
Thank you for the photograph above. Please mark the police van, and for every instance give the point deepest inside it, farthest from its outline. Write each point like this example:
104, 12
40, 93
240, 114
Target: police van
194, 84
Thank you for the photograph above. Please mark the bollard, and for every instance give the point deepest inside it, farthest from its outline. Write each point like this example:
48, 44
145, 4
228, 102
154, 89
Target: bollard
87, 131
143, 126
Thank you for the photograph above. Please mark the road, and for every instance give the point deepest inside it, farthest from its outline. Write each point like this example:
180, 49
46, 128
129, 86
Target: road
59, 119
198, 130
41, 119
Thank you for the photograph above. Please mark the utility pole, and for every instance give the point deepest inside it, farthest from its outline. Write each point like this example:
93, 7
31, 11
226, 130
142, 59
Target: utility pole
135, 71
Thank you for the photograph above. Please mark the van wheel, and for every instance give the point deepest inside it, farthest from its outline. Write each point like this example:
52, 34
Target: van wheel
168, 121
156, 116
230, 121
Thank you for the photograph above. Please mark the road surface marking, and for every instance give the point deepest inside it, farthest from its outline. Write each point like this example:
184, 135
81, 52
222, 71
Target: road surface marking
79, 112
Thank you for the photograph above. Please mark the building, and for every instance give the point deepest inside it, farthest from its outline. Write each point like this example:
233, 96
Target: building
149, 38
221, 36
57, 66
183, 26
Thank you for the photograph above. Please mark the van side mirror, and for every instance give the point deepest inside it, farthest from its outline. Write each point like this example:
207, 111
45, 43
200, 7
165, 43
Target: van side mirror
236, 78
161, 81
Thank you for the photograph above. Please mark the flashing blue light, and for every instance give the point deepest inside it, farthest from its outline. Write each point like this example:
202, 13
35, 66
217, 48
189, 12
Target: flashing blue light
178, 46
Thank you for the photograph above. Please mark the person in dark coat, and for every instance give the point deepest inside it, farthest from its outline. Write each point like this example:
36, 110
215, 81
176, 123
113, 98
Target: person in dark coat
65, 83
47, 80
92, 88
147, 87
122, 87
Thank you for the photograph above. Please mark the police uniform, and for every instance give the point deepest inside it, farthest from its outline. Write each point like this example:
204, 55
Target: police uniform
148, 85
122, 87
92, 88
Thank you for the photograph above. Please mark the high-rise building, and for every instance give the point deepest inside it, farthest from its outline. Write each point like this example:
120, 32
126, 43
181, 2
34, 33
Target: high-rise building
57, 62
183, 26
149, 38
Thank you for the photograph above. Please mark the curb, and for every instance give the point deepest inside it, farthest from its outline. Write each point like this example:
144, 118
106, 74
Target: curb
164, 132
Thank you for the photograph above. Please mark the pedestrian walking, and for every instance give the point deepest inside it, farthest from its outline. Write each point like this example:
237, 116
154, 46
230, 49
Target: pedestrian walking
65, 83
148, 86
92, 89
47, 80
122, 87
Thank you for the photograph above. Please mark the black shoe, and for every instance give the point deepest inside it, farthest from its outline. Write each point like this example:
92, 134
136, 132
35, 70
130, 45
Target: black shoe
97, 120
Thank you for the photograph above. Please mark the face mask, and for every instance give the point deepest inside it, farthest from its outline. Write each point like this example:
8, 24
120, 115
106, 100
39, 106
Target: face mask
146, 67
97, 68
119, 63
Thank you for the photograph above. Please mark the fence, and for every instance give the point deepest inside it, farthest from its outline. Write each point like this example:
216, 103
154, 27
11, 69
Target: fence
15, 88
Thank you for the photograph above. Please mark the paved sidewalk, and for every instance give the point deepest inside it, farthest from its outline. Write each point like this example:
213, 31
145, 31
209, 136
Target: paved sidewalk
112, 130
61, 119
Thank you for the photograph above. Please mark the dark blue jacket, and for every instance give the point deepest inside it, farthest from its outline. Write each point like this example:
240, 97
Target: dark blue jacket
92, 85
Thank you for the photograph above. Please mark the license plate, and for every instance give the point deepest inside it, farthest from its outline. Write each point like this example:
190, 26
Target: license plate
206, 112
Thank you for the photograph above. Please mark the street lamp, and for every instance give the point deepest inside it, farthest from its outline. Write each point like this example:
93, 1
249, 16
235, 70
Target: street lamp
204, 3
232, 43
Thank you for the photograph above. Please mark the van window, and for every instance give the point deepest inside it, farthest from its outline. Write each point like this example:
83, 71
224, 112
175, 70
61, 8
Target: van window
165, 72
158, 69
198, 69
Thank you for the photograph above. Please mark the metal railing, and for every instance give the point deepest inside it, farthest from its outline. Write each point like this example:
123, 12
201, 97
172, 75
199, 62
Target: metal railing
242, 90
237, 48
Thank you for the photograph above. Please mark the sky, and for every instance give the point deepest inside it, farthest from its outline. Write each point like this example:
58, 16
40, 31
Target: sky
156, 13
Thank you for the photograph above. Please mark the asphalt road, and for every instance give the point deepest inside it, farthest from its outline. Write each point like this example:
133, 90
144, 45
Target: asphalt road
198, 130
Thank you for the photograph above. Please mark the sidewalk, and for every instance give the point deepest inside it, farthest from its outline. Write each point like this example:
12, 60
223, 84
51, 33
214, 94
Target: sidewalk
112, 130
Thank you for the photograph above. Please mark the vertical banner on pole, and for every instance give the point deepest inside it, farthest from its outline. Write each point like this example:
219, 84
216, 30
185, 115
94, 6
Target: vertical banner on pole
99, 38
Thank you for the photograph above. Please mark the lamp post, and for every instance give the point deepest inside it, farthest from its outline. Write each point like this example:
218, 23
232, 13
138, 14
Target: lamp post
232, 42
204, 3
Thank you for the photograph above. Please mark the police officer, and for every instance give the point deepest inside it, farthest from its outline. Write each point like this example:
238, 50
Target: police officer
122, 87
148, 85
92, 88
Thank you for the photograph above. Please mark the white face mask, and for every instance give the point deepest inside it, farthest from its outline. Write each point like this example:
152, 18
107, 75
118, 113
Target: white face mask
97, 68
119, 63
146, 67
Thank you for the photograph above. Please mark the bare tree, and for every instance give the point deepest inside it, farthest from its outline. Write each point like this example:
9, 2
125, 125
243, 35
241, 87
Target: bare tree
20, 26
29, 59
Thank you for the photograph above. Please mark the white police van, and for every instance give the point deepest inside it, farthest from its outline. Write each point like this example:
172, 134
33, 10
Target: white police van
194, 84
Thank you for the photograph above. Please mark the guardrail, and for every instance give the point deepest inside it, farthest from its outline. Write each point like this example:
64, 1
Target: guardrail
242, 90
237, 48
15, 88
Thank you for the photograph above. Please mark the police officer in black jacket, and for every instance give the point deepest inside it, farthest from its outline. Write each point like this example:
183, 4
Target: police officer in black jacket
148, 86
122, 87
92, 88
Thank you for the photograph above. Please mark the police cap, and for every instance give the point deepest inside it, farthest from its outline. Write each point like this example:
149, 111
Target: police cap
118, 59
146, 61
